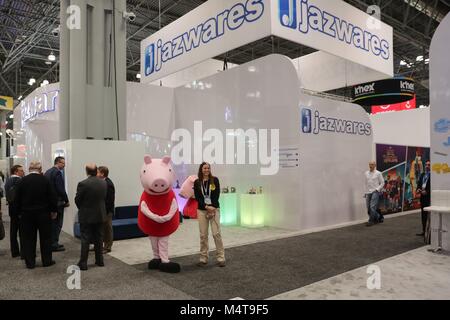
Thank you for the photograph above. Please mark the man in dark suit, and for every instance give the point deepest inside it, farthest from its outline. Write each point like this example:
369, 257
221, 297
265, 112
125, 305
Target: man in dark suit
17, 173
108, 236
55, 175
423, 189
36, 203
90, 201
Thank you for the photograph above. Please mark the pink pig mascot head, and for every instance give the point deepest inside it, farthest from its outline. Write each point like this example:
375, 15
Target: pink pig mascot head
158, 214
187, 192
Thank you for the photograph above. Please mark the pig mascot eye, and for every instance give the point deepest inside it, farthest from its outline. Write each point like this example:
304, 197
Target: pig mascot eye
170, 170
144, 171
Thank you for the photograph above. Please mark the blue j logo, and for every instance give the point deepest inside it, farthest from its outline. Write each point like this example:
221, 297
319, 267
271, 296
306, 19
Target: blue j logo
288, 13
306, 121
149, 59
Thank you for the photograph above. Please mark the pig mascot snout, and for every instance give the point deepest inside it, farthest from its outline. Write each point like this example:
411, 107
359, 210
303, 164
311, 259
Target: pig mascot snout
158, 214
187, 192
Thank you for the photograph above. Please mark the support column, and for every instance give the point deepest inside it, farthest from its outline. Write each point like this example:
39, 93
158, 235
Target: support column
64, 72
93, 71
3, 131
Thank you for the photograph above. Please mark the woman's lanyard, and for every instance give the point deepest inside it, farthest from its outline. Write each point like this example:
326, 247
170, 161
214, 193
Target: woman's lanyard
206, 191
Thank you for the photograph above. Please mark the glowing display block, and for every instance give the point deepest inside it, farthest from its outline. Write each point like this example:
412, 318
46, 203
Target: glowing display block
252, 210
228, 208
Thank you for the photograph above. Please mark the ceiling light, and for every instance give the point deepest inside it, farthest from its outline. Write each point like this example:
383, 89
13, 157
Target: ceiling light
48, 62
32, 81
11, 116
138, 76
20, 98
51, 57
427, 61
45, 82
419, 58
403, 63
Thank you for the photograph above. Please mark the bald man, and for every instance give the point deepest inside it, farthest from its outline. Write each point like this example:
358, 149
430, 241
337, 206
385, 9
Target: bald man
90, 201
374, 185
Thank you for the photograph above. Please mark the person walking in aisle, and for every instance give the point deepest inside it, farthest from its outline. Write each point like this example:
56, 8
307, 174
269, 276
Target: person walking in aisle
374, 185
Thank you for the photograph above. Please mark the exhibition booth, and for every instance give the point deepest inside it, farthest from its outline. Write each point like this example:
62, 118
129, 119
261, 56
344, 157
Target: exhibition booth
295, 161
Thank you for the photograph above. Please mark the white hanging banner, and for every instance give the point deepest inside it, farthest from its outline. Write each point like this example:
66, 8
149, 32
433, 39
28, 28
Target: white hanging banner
440, 107
335, 27
219, 26
209, 30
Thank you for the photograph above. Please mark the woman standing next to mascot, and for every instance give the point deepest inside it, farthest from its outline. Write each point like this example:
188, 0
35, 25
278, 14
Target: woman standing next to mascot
207, 192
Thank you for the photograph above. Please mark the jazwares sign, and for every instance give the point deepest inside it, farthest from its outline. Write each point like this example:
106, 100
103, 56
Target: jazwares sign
315, 123
195, 33
219, 26
308, 18
40, 103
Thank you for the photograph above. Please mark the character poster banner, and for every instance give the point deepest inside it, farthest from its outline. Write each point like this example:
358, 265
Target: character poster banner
401, 167
415, 166
389, 156
391, 200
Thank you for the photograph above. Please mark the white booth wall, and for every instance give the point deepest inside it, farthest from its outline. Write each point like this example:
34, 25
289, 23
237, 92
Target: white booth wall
265, 94
36, 126
405, 128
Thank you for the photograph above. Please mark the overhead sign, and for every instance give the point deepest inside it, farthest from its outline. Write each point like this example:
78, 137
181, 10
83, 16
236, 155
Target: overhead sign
211, 29
337, 28
38, 103
384, 92
219, 26
6, 103
408, 105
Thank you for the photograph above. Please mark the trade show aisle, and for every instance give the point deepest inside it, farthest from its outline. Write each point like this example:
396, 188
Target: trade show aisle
256, 271
115, 281
414, 275
263, 270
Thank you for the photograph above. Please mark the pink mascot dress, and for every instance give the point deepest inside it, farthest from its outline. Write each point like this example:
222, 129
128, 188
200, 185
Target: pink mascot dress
158, 215
187, 192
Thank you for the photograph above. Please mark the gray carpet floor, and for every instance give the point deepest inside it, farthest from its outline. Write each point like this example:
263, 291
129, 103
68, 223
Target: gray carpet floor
254, 271
266, 269
116, 280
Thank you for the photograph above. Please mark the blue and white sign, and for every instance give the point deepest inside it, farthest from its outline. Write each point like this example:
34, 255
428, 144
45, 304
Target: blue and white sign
312, 121
40, 102
218, 26
335, 27
211, 29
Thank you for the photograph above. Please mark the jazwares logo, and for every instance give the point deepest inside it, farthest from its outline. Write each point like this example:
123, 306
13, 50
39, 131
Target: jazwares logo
315, 124
299, 15
41, 103
156, 54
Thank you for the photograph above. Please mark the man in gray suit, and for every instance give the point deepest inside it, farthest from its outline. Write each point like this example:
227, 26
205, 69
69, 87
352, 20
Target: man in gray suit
90, 201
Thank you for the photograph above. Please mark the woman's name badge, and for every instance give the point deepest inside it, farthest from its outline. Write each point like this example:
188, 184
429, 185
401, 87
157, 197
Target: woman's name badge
208, 200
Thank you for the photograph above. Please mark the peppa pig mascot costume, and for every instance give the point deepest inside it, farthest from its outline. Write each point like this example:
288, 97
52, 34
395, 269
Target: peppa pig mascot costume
187, 192
158, 214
